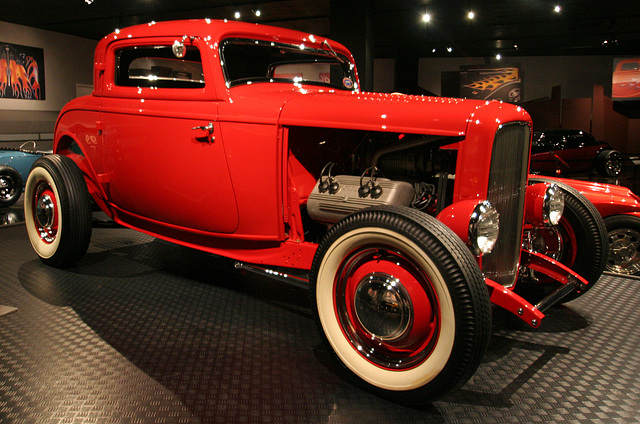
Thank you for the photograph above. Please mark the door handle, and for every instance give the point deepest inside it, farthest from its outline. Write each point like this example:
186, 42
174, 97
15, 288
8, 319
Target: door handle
208, 128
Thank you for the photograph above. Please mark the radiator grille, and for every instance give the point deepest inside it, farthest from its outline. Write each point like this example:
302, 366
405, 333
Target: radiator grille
506, 192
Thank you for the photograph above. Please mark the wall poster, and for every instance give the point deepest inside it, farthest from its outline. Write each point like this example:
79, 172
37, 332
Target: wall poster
21, 72
625, 84
491, 83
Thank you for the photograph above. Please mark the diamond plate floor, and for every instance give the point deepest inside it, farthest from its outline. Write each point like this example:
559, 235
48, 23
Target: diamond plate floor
142, 331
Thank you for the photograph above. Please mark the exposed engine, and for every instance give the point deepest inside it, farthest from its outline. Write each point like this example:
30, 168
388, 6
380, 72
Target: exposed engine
413, 173
336, 197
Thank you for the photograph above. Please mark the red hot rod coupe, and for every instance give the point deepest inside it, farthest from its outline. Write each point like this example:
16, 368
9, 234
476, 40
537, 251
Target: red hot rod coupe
404, 214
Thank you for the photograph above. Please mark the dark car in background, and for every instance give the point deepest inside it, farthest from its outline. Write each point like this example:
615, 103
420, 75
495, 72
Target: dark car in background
559, 152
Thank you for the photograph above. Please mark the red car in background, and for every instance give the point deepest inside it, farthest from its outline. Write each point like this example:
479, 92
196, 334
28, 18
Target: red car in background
559, 152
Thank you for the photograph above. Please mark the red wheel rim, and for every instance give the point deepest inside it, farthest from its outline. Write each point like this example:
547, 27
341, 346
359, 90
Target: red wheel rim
386, 307
45, 213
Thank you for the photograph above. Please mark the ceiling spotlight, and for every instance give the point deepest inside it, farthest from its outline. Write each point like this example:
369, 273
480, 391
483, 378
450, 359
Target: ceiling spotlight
449, 49
471, 15
426, 17
257, 12
236, 15
498, 56
557, 8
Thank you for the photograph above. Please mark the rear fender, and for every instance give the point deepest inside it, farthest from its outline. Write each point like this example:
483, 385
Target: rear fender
68, 146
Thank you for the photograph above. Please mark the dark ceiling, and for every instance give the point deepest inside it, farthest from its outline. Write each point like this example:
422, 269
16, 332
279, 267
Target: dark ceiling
590, 27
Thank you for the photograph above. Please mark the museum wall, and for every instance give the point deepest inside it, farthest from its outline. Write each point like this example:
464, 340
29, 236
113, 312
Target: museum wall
558, 92
68, 65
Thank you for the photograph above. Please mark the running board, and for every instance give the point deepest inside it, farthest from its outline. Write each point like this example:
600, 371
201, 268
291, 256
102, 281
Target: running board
286, 275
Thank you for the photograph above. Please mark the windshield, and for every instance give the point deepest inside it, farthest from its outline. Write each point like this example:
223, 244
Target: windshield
249, 61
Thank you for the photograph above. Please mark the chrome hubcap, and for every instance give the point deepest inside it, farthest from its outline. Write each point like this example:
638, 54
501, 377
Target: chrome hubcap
624, 251
614, 165
386, 307
383, 306
45, 211
45, 214
6, 187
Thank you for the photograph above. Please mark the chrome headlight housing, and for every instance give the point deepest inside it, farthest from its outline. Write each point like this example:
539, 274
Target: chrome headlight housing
552, 205
484, 226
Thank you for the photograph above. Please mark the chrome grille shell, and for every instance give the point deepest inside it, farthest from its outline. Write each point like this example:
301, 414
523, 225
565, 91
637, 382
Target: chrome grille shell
506, 192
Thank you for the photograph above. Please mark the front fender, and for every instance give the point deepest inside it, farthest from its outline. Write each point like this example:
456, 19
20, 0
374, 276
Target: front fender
609, 199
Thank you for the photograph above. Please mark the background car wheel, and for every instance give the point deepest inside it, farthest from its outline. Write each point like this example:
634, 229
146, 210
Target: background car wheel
57, 210
584, 242
624, 244
401, 302
609, 163
10, 186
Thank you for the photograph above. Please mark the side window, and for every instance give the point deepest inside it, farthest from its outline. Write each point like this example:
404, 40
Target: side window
156, 66
555, 142
575, 141
250, 61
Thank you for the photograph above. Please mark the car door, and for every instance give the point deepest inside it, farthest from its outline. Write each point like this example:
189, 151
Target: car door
578, 152
164, 164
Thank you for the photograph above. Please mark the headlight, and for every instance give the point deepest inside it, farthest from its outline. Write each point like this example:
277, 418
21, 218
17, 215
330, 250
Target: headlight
553, 205
544, 204
484, 226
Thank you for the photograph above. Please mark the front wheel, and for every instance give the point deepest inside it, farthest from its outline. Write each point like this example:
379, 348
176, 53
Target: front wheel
57, 210
580, 242
402, 303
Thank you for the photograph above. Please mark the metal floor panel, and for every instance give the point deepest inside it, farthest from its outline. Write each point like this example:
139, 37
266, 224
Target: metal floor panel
143, 331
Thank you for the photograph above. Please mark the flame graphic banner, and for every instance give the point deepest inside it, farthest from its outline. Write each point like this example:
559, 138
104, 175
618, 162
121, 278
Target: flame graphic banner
21, 72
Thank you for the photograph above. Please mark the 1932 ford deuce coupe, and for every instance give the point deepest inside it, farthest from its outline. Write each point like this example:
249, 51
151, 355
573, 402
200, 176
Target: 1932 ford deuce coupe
405, 214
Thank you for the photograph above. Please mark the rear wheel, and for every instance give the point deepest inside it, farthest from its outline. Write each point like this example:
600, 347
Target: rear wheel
57, 210
402, 303
10, 186
624, 244
609, 163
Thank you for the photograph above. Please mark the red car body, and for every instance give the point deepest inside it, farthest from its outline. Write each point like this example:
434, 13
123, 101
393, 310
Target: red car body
275, 169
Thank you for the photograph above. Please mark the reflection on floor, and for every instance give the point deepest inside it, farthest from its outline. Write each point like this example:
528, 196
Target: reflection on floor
146, 331
12, 215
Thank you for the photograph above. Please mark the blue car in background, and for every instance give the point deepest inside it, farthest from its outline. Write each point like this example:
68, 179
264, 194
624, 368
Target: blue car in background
15, 164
